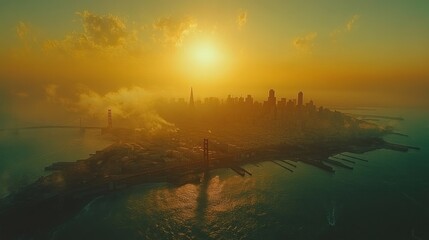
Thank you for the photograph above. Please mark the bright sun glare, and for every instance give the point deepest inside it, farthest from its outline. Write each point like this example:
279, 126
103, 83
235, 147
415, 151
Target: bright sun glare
206, 54
205, 59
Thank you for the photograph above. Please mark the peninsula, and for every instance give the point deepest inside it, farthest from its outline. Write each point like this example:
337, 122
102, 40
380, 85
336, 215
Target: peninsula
201, 137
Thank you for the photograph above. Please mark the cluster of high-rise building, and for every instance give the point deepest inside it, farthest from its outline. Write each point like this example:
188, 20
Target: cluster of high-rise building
271, 104
238, 109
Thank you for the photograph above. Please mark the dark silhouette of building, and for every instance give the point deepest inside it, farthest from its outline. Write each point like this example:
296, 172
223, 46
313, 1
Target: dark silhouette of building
249, 100
271, 101
241, 100
109, 119
230, 100
272, 98
300, 99
212, 101
281, 103
310, 106
191, 99
270, 105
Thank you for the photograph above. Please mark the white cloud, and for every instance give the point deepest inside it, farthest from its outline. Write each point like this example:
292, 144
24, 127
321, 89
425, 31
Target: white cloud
134, 104
174, 30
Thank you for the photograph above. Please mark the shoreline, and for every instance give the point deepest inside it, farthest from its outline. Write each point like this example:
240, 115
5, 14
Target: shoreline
50, 204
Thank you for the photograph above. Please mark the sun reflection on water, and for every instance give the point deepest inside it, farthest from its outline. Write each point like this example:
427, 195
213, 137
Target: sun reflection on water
202, 210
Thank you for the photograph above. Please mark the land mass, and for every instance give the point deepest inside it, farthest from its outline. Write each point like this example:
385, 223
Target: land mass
321, 138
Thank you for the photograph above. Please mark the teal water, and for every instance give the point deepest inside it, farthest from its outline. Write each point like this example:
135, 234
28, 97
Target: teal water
385, 198
25, 154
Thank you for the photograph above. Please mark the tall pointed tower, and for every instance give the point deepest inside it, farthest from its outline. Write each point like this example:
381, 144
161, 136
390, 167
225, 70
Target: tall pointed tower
191, 99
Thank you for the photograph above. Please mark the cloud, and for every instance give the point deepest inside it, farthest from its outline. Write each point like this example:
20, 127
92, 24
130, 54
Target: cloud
51, 91
22, 30
305, 43
101, 34
352, 22
134, 104
242, 18
125, 102
103, 31
72, 43
132, 107
174, 30
347, 28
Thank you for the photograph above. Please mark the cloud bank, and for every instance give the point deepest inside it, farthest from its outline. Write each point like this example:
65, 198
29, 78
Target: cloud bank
104, 31
132, 107
101, 33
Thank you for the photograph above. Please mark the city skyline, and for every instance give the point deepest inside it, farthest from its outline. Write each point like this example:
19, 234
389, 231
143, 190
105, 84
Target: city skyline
341, 53
249, 99
214, 119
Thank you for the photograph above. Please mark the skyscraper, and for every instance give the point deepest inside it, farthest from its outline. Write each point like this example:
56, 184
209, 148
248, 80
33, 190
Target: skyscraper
300, 99
270, 105
249, 100
272, 98
109, 118
191, 99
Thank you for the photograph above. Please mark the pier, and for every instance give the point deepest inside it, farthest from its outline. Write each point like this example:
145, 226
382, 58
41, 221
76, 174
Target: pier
290, 170
343, 159
336, 163
360, 159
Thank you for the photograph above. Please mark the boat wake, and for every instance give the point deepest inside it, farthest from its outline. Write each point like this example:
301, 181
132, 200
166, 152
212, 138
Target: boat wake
331, 216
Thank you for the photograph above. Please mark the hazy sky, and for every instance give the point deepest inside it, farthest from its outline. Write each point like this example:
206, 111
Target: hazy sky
347, 52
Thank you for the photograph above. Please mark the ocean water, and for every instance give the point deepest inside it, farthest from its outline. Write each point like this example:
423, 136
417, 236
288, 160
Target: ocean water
25, 154
385, 198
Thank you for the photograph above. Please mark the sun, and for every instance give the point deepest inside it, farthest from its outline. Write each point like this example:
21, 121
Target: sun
205, 54
204, 59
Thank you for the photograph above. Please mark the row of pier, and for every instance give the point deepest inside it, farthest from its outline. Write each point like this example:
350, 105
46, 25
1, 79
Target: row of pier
338, 160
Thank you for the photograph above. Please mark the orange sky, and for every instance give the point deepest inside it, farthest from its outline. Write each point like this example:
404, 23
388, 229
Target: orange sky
337, 53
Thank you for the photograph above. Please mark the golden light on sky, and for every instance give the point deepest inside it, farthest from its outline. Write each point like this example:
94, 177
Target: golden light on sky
337, 52
204, 59
205, 54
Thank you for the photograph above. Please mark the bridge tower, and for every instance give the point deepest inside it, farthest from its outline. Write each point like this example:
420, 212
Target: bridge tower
206, 153
109, 119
